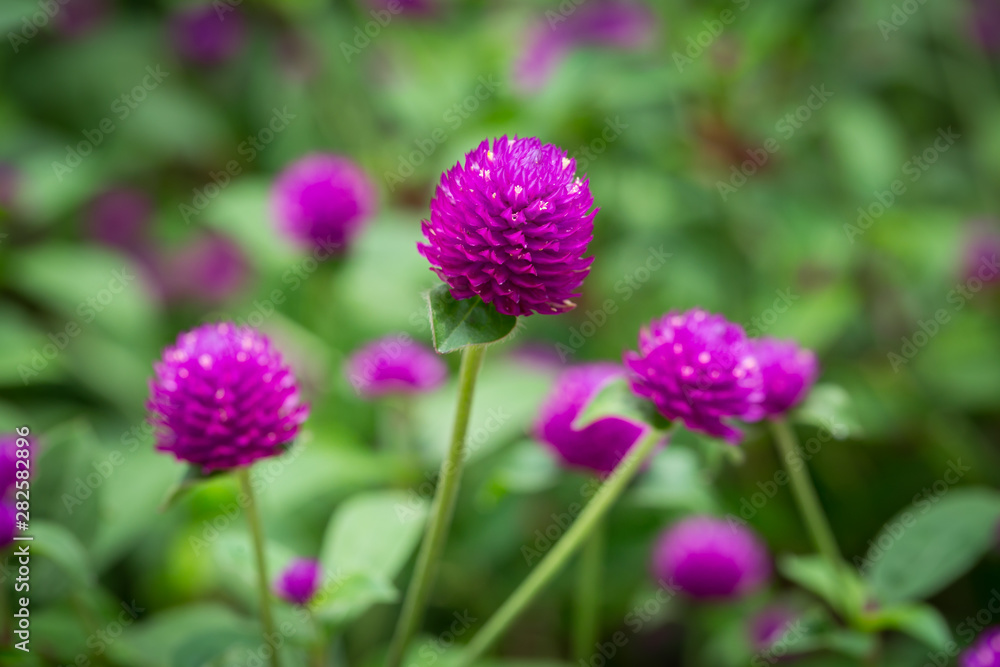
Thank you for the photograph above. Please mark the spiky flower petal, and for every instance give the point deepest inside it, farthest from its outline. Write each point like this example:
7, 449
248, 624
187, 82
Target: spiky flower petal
511, 226
223, 397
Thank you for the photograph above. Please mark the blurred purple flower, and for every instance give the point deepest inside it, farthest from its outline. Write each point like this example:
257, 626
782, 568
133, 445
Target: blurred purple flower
599, 446
223, 397
769, 625
511, 226
299, 581
209, 34
322, 200
985, 23
789, 373
711, 558
119, 217
699, 368
8, 462
394, 365
77, 17
985, 652
620, 24
8, 524
211, 269
982, 253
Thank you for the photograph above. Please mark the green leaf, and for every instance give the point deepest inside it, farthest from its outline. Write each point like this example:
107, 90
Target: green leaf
674, 480
828, 406
373, 534
921, 621
526, 467
345, 599
933, 542
193, 475
62, 548
457, 323
844, 592
615, 399
204, 648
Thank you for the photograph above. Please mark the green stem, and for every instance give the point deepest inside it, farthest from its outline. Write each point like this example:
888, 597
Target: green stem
805, 496
264, 588
444, 508
564, 549
319, 648
586, 612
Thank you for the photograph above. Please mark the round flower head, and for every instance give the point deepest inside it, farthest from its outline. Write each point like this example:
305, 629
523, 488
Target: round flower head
789, 372
212, 269
769, 625
223, 397
599, 446
710, 558
982, 255
119, 217
298, 582
511, 226
323, 200
699, 368
207, 34
394, 365
8, 524
985, 652
620, 24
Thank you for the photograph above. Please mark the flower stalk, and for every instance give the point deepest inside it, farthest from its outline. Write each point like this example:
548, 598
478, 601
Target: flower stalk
264, 589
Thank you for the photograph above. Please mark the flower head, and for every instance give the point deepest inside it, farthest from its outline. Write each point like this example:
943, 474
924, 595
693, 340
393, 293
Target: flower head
298, 582
207, 34
212, 268
770, 624
699, 368
8, 462
710, 558
323, 200
618, 24
789, 372
511, 226
8, 524
394, 365
985, 652
599, 446
223, 397
120, 217
982, 254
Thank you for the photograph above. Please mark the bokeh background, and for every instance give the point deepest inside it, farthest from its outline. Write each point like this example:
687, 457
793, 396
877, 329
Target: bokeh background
824, 171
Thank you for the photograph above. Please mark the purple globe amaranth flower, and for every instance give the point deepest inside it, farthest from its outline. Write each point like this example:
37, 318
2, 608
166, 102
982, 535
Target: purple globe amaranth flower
209, 34
789, 373
985, 652
769, 625
617, 24
119, 217
601, 445
698, 368
8, 524
298, 582
212, 268
322, 200
711, 558
511, 226
223, 397
981, 259
394, 365
9, 459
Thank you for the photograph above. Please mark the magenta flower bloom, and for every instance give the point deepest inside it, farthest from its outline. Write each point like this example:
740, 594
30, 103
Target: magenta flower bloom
8, 524
395, 365
511, 226
711, 558
769, 625
119, 217
8, 462
982, 254
618, 24
985, 652
698, 368
223, 397
599, 446
298, 582
323, 200
789, 373
209, 34
212, 269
